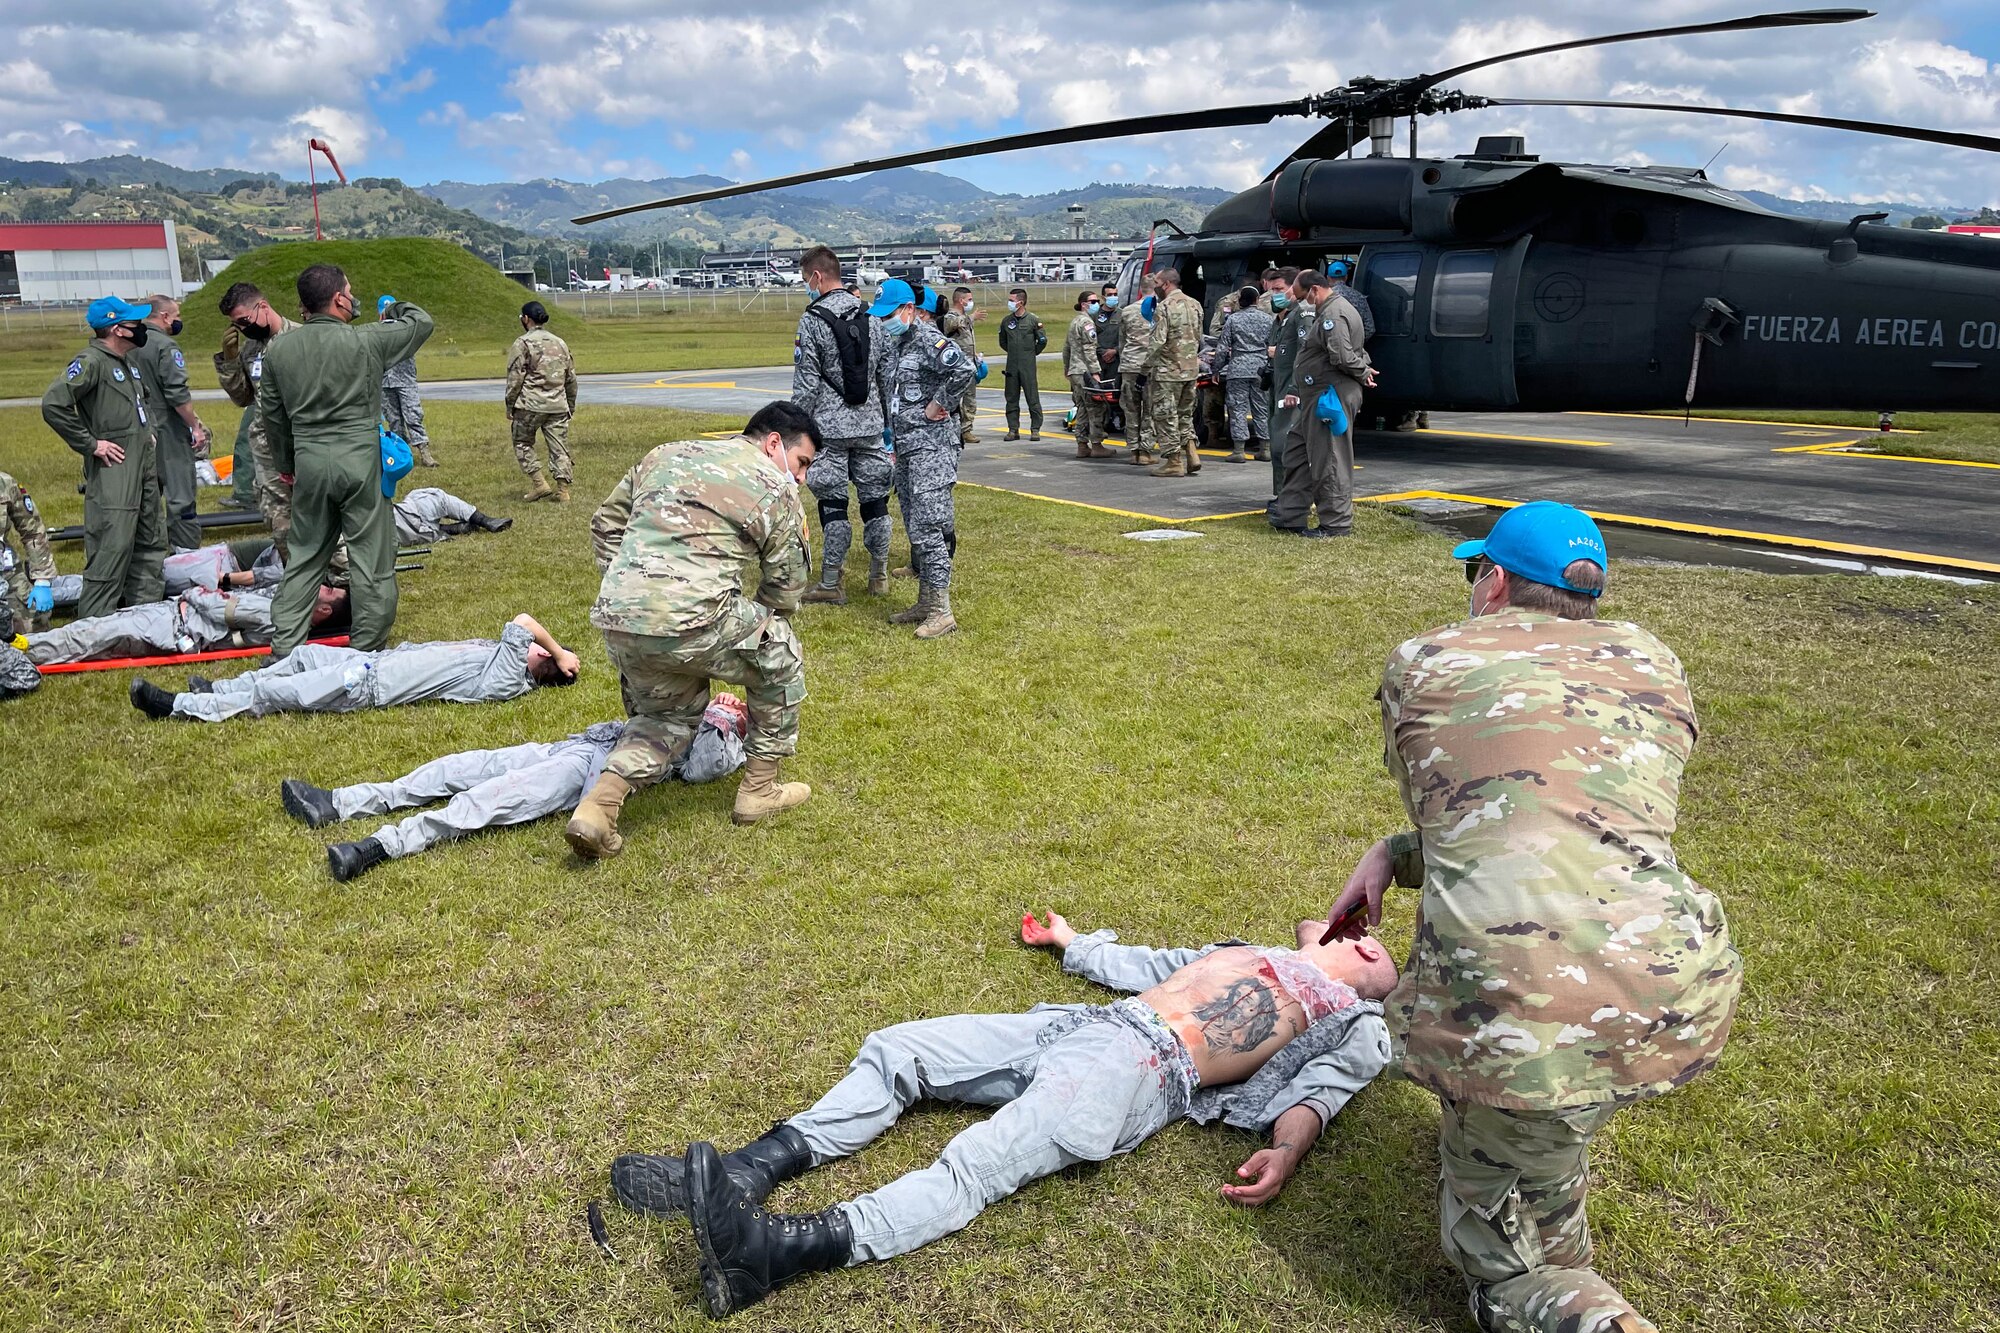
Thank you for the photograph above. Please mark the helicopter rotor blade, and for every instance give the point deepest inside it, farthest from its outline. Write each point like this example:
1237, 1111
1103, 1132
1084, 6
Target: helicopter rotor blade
1950, 138
1796, 18
1215, 118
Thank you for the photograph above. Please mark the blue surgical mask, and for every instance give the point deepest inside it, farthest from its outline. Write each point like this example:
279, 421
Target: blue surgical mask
1092, 306
1013, 307
1111, 302
895, 326
1279, 300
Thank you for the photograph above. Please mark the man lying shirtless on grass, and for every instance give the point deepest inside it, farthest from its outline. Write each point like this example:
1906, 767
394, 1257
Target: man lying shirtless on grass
1262, 1039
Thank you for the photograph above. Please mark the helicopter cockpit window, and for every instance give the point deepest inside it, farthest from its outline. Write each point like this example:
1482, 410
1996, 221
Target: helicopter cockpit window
1461, 294
1390, 283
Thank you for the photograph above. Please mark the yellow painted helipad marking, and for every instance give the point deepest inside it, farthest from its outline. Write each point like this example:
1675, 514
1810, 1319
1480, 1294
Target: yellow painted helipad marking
1845, 450
1525, 439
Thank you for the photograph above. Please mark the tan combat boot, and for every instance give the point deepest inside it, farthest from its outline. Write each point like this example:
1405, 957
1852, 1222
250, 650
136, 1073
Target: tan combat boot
1082, 449
762, 795
917, 614
1191, 460
831, 594
593, 829
561, 496
1139, 457
540, 490
424, 458
940, 621
1099, 451
1175, 466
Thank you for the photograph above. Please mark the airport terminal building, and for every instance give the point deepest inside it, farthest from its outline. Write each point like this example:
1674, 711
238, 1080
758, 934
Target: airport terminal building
63, 263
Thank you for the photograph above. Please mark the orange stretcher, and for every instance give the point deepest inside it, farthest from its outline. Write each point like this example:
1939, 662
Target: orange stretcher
219, 655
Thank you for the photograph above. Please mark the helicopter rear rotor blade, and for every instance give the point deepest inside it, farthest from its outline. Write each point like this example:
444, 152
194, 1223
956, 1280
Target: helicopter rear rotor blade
1796, 18
1215, 118
1950, 138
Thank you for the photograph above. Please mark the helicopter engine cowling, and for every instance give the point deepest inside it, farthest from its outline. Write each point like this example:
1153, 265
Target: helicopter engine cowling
1371, 194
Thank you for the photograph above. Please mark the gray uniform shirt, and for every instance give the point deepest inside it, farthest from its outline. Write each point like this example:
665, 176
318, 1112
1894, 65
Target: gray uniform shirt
816, 373
401, 375
1239, 353
214, 618
470, 671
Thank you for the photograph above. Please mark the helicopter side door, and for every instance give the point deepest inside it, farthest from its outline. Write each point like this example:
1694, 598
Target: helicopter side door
1465, 326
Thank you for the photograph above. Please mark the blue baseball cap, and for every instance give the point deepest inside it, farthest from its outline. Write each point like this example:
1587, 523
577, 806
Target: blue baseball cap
1337, 269
383, 303
891, 296
108, 310
1538, 541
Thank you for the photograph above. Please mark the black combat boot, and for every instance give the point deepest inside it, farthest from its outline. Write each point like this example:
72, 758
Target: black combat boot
348, 859
656, 1186
455, 528
200, 685
747, 1253
487, 523
310, 805
151, 700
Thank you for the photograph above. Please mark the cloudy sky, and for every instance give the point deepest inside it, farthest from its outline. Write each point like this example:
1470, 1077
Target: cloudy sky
489, 90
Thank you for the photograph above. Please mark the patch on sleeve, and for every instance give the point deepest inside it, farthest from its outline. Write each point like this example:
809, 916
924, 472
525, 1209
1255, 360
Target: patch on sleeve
1326, 324
180, 361
75, 369
948, 352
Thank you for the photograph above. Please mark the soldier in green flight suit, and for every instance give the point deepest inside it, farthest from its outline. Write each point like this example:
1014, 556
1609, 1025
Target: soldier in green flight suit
98, 407
320, 400
180, 436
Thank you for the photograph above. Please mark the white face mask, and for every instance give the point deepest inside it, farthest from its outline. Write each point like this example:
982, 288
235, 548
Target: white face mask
1013, 307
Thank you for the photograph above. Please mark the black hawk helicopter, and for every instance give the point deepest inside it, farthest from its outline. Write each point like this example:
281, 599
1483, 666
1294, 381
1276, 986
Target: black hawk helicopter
1501, 282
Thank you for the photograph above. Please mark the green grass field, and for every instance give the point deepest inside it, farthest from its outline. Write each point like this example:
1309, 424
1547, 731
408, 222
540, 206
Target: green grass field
236, 1095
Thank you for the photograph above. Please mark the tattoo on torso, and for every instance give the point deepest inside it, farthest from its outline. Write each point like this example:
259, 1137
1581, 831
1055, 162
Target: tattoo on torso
1242, 1019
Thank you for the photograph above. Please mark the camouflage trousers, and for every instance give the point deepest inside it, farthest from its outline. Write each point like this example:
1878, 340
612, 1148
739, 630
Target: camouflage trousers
924, 478
1511, 1218
1249, 412
1170, 416
554, 427
968, 409
866, 466
274, 495
19, 585
665, 683
1132, 402
1089, 412
403, 409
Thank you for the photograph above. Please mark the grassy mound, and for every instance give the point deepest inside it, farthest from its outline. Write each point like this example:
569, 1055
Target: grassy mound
474, 306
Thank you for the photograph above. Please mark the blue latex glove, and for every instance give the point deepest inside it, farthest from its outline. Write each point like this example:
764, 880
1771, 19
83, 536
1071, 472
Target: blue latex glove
41, 599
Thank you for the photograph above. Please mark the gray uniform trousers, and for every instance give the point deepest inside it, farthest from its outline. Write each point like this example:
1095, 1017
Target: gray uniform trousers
403, 409
136, 631
420, 514
865, 465
1085, 1095
1319, 466
1249, 408
483, 788
312, 678
925, 475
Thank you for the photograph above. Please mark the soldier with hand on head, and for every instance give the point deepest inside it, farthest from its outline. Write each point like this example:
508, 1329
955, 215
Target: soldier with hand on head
927, 375
1022, 339
253, 325
402, 405
180, 438
840, 369
1172, 364
30, 572
1082, 365
98, 407
674, 540
541, 396
321, 402
1564, 965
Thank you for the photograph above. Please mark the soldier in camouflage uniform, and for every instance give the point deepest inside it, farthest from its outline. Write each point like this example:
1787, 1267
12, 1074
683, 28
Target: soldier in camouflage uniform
402, 405
98, 407
1171, 367
927, 374
854, 453
1564, 965
1239, 363
29, 591
1081, 365
1135, 331
239, 366
179, 436
673, 541
958, 326
541, 396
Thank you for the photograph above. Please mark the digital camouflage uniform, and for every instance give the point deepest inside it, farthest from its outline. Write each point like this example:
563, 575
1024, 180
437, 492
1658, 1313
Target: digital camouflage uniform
1239, 363
961, 330
1080, 363
164, 366
1564, 965
1319, 465
239, 367
927, 368
1022, 339
673, 541
403, 408
1134, 335
1172, 364
541, 396
851, 452
25, 555
320, 399
100, 397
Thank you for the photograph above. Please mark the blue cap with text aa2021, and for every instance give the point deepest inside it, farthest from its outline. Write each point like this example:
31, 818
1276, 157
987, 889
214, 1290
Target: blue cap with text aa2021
892, 296
1538, 541
108, 310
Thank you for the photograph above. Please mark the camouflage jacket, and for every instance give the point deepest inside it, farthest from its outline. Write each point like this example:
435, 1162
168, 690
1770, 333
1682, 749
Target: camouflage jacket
20, 520
926, 367
1080, 348
403, 375
816, 374
1240, 348
541, 374
1174, 349
1561, 959
1134, 334
961, 330
239, 366
675, 536
1362, 309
